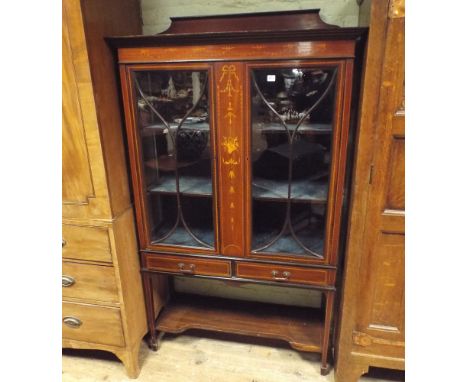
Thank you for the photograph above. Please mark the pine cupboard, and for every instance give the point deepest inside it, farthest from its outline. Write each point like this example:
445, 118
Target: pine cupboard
103, 303
238, 133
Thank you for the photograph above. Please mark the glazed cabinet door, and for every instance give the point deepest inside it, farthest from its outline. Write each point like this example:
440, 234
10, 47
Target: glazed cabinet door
171, 134
297, 142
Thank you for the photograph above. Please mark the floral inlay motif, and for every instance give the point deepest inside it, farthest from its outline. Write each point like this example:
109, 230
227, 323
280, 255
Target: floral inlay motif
230, 144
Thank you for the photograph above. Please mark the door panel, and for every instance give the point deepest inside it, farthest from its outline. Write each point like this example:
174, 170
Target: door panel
84, 184
174, 135
296, 166
381, 317
77, 186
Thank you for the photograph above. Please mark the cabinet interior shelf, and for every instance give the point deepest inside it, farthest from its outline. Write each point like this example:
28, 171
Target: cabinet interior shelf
271, 127
158, 129
276, 190
304, 190
305, 128
301, 327
189, 185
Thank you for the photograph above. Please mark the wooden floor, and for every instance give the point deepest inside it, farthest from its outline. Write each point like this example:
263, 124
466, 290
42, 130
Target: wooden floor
203, 357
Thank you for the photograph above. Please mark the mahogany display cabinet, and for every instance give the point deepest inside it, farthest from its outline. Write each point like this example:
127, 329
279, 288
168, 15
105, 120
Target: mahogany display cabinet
238, 129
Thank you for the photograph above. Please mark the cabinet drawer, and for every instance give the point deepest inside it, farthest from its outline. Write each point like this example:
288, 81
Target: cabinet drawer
188, 265
86, 281
91, 323
281, 273
86, 243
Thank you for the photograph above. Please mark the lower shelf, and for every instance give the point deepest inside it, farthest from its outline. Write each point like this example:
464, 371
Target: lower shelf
301, 327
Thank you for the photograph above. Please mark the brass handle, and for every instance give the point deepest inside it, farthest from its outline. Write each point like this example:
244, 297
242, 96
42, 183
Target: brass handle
67, 281
285, 277
72, 322
189, 270
64, 243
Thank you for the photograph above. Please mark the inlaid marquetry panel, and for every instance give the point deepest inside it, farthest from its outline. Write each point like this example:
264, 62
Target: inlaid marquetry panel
229, 79
238, 51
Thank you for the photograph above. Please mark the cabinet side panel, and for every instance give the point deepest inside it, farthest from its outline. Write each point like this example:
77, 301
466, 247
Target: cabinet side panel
128, 273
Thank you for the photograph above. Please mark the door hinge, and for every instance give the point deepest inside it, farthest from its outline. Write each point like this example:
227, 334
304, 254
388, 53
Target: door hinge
371, 173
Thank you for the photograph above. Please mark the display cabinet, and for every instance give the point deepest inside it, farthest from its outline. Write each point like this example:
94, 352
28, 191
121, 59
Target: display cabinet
237, 132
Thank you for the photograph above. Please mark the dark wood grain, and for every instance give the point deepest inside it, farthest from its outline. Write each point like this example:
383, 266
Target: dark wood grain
258, 21
301, 327
252, 50
335, 35
277, 273
188, 265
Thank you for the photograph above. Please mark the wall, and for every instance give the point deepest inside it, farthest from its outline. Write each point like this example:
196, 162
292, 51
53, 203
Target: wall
156, 13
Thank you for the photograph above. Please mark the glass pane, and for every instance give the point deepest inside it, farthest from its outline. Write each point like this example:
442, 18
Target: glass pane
173, 122
292, 125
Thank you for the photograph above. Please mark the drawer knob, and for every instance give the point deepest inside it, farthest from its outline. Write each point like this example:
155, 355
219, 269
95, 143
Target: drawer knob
189, 270
67, 281
72, 322
285, 275
64, 243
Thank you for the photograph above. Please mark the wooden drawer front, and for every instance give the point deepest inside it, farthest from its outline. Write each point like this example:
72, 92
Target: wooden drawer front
86, 281
92, 323
86, 243
188, 265
281, 273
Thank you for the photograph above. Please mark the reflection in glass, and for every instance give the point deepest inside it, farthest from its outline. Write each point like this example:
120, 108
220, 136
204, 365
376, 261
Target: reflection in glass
173, 120
292, 123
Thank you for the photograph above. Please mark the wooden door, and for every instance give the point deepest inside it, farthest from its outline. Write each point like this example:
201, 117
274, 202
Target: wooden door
372, 328
84, 189
381, 319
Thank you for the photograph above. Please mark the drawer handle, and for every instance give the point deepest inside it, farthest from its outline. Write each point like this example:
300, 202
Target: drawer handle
285, 277
189, 270
64, 243
72, 322
67, 281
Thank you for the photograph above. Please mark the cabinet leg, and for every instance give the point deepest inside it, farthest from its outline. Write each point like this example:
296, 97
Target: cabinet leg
130, 360
324, 370
149, 303
155, 342
330, 297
